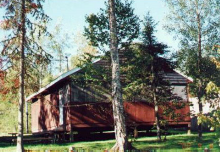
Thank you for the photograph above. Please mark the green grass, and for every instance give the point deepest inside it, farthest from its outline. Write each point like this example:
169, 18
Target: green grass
144, 143
173, 143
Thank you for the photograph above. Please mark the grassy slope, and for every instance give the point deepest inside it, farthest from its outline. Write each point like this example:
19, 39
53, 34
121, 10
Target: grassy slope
143, 143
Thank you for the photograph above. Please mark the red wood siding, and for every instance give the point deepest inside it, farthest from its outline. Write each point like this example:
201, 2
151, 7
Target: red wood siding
45, 113
100, 115
81, 115
139, 113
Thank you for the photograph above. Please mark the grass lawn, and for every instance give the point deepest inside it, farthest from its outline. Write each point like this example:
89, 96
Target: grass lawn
181, 142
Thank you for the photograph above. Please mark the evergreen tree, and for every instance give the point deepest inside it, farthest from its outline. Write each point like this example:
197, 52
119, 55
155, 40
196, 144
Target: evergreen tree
144, 70
20, 44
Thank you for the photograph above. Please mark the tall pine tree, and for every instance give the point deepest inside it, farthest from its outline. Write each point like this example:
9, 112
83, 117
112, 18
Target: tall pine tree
21, 20
145, 68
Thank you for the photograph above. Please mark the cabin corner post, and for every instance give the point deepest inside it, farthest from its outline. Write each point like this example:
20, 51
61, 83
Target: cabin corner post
27, 128
188, 102
189, 129
71, 134
61, 109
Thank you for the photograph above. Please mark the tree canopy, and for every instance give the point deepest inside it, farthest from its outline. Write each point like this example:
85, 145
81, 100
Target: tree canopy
127, 24
196, 24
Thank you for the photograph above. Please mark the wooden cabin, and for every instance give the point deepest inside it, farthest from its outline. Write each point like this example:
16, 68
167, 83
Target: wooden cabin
64, 106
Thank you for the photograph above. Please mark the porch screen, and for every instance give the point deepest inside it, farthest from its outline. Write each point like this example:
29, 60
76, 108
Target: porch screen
80, 95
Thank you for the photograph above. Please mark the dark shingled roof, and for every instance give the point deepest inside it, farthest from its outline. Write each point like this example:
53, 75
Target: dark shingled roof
173, 76
176, 77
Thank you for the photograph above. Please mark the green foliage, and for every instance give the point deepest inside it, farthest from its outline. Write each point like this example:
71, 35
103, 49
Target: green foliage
195, 24
48, 78
127, 24
148, 56
209, 74
35, 29
182, 21
56, 44
187, 20
97, 33
8, 113
212, 90
93, 76
24, 23
84, 50
142, 66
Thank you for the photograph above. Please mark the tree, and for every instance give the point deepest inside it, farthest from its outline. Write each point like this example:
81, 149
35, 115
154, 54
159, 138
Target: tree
84, 50
57, 43
154, 49
8, 110
127, 24
19, 45
118, 108
147, 83
195, 24
113, 28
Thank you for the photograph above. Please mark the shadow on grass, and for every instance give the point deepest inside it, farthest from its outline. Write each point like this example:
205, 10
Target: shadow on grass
191, 142
174, 142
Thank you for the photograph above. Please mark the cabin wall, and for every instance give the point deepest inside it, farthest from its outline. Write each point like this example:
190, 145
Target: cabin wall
139, 113
45, 117
85, 115
45, 113
67, 108
91, 115
35, 112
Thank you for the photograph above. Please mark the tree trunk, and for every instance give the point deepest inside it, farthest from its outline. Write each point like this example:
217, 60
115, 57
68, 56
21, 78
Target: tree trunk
20, 146
117, 103
157, 118
199, 94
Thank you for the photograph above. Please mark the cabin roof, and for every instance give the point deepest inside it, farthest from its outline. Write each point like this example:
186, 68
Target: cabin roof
58, 79
174, 77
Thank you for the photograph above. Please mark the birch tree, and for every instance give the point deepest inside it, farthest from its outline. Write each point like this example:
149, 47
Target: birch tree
196, 24
127, 24
118, 108
114, 27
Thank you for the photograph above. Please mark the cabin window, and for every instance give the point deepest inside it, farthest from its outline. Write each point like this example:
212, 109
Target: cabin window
90, 98
75, 94
180, 91
80, 95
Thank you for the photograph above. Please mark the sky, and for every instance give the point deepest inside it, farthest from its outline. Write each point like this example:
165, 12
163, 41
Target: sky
72, 15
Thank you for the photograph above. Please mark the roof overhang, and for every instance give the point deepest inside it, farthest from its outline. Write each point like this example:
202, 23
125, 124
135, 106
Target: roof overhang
53, 83
190, 80
69, 73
